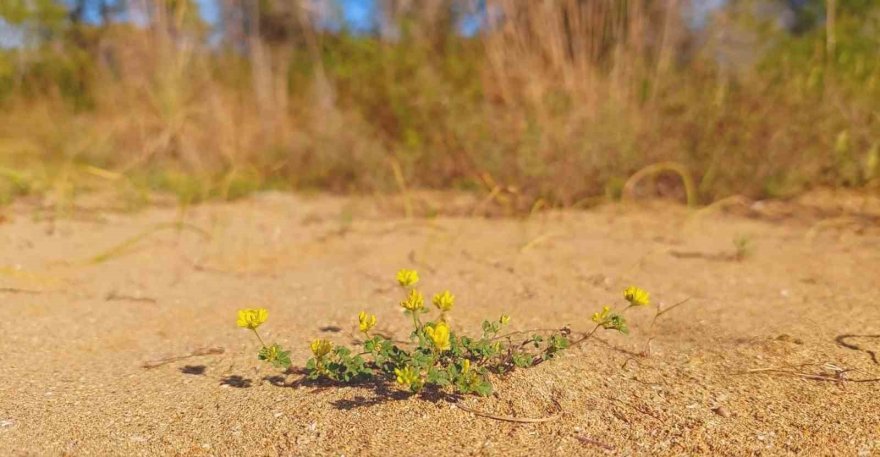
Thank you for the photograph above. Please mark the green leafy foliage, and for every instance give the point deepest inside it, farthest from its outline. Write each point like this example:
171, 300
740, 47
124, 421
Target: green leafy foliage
436, 357
275, 355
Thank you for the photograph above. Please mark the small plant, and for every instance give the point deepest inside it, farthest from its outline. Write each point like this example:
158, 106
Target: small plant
436, 356
274, 354
744, 247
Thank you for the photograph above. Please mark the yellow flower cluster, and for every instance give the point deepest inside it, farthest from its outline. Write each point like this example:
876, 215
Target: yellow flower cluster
366, 321
251, 318
414, 301
637, 296
444, 301
439, 335
407, 376
602, 316
270, 353
407, 278
321, 348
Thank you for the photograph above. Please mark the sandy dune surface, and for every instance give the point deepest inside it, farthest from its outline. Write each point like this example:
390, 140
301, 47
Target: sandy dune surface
764, 358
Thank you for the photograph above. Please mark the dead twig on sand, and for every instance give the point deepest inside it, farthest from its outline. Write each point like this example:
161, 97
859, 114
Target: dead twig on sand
128, 244
537, 240
838, 377
642, 410
842, 341
196, 353
660, 311
519, 420
15, 290
599, 444
114, 296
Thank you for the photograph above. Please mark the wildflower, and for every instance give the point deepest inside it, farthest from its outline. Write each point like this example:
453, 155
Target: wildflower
407, 278
275, 355
366, 321
444, 301
602, 316
252, 318
637, 296
465, 366
439, 335
321, 348
504, 320
611, 321
269, 353
414, 301
407, 376
617, 322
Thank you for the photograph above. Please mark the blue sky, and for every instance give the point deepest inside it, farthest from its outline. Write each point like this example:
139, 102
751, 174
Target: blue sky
357, 16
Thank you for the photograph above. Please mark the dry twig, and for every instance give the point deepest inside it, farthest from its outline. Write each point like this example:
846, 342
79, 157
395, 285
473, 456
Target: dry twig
588, 440
198, 352
519, 420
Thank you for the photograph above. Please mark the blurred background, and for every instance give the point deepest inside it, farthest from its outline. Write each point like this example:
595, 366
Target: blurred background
558, 101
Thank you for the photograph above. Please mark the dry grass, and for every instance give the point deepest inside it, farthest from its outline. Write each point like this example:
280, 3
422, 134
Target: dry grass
559, 104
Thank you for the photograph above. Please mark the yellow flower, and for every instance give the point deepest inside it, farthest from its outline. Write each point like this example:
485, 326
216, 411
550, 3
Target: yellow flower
465, 366
321, 348
504, 320
444, 301
414, 301
602, 316
407, 278
251, 318
439, 335
366, 321
637, 296
407, 376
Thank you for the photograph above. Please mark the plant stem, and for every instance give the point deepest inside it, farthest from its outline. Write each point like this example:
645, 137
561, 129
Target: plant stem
258, 337
521, 332
587, 336
416, 322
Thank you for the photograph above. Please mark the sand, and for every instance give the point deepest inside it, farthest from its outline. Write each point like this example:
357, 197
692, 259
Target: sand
84, 310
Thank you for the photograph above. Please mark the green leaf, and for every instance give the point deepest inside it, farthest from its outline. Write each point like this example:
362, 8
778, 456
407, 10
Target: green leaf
275, 355
618, 322
438, 377
559, 342
523, 360
483, 389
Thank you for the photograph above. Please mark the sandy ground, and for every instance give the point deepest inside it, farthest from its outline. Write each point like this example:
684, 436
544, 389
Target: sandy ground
83, 310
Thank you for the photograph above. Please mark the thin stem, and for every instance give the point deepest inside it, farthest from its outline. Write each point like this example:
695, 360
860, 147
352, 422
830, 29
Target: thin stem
521, 332
587, 336
258, 337
416, 322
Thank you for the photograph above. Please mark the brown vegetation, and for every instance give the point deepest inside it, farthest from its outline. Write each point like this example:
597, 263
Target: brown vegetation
559, 102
